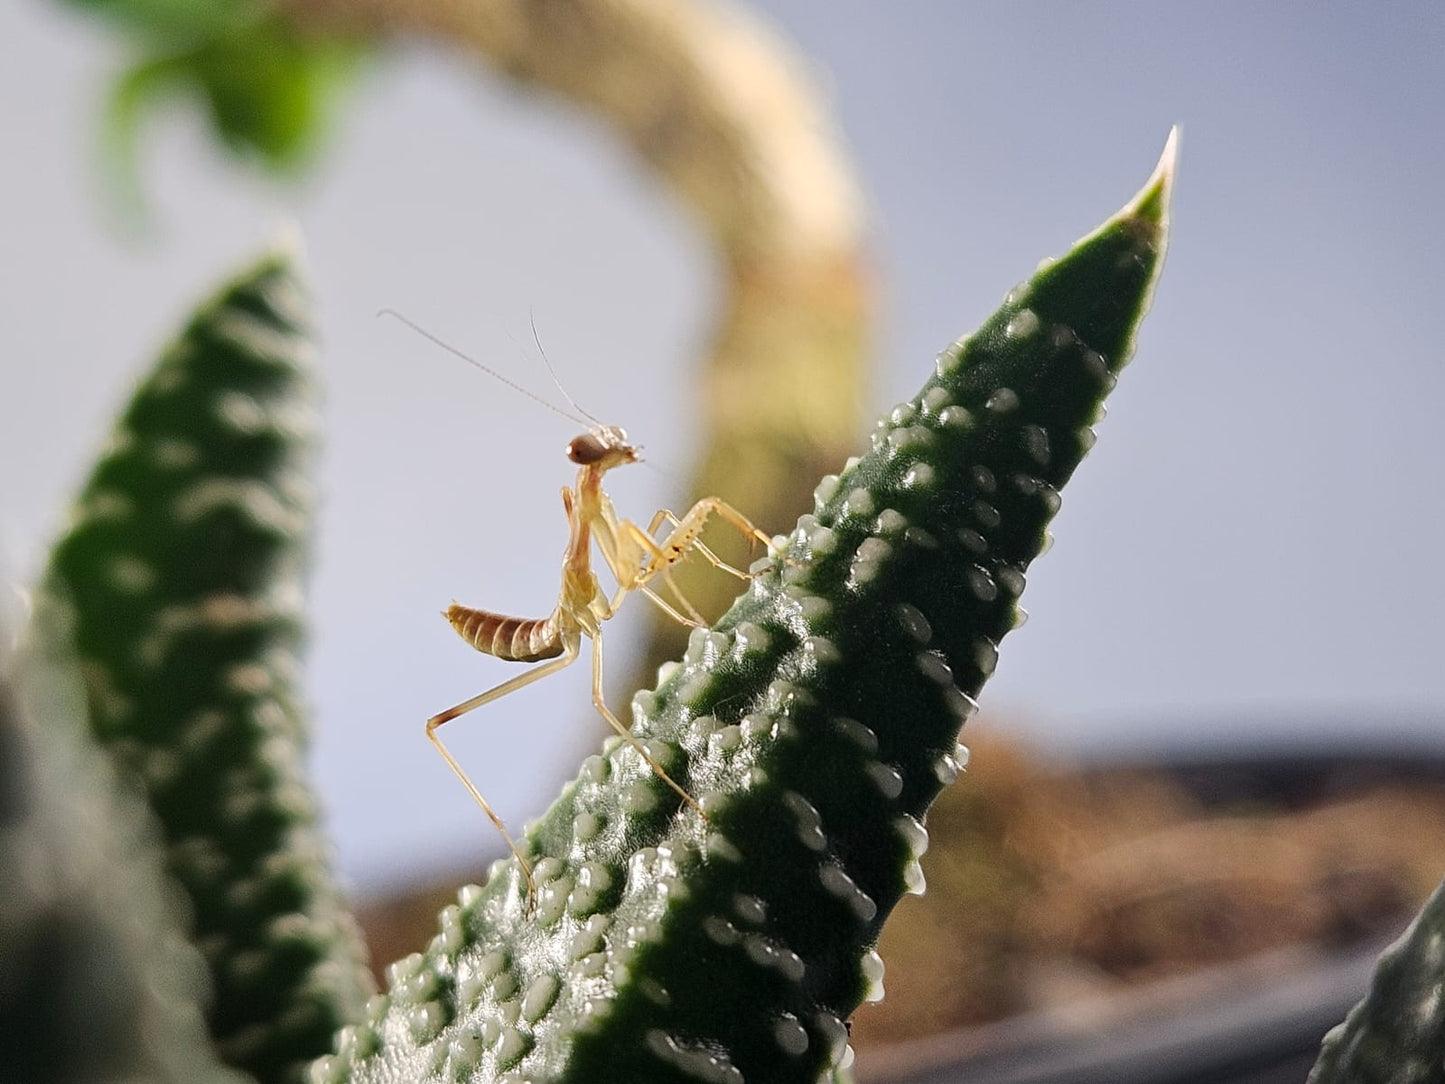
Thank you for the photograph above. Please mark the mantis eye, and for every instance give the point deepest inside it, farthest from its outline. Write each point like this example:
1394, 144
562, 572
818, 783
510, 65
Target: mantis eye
586, 449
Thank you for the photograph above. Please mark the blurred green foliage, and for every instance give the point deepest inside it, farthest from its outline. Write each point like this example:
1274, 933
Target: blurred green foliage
268, 88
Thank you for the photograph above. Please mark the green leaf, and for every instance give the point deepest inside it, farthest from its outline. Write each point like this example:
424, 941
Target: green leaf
815, 723
1396, 1035
183, 570
175, 20
267, 89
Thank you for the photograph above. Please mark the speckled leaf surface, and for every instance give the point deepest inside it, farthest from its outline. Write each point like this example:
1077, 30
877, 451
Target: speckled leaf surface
814, 723
182, 568
1396, 1035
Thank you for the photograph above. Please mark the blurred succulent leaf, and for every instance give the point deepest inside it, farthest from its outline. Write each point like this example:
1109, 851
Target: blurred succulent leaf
182, 568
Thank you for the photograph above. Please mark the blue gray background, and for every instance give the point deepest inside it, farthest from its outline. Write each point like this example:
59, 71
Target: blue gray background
1252, 550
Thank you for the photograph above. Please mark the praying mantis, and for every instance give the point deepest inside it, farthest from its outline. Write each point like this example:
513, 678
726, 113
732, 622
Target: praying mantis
634, 556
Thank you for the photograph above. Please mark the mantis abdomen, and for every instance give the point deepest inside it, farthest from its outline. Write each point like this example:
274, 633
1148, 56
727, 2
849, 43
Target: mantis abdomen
511, 639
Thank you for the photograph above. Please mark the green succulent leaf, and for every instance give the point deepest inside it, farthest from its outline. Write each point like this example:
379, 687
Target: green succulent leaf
1396, 1035
183, 572
99, 982
814, 723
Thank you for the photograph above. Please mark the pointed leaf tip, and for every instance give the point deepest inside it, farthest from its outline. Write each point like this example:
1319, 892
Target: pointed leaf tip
1152, 202
1146, 215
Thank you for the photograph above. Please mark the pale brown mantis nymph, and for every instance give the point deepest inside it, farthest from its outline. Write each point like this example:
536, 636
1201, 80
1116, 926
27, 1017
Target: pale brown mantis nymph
634, 556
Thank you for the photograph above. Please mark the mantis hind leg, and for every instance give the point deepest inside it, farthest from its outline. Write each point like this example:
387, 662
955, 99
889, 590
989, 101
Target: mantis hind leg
600, 703
537, 673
